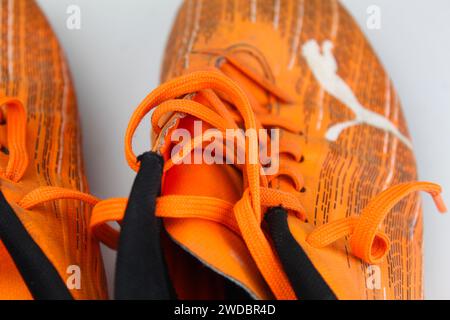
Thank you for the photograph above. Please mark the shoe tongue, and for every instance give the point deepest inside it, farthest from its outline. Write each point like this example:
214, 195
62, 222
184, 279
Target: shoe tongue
197, 178
211, 243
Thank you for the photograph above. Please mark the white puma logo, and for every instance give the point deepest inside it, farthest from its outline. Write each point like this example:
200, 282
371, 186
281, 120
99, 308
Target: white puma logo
324, 67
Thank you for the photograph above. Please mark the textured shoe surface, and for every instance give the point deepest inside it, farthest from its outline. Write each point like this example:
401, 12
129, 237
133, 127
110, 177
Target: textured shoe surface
353, 137
34, 70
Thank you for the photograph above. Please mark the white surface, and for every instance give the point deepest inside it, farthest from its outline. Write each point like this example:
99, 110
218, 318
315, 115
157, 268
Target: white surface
115, 60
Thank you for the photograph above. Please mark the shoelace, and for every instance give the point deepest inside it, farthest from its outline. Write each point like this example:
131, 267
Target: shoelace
16, 123
216, 90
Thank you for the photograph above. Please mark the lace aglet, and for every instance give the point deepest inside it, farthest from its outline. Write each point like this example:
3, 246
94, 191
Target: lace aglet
440, 204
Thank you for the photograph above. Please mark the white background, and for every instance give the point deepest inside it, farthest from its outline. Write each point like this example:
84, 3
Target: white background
115, 60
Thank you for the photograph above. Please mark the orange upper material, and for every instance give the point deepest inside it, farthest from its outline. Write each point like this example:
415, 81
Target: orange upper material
41, 147
286, 44
266, 44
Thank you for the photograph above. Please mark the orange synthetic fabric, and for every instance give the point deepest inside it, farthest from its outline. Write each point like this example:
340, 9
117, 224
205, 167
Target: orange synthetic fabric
40, 140
340, 177
268, 39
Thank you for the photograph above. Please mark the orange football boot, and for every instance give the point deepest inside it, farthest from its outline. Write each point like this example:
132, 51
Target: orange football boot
46, 250
340, 218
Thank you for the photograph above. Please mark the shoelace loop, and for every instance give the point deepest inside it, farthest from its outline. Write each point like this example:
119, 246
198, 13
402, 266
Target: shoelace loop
366, 240
16, 122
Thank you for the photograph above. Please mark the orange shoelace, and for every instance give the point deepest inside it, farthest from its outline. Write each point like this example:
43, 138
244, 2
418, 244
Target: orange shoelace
15, 120
222, 102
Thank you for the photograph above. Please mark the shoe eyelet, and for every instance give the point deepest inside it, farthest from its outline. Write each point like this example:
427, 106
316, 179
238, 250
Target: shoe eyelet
4, 150
302, 159
303, 190
219, 62
267, 165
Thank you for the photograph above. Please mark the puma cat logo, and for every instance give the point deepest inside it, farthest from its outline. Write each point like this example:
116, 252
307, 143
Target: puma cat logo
324, 67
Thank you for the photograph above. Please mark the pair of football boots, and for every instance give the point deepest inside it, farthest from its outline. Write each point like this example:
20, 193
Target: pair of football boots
339, 218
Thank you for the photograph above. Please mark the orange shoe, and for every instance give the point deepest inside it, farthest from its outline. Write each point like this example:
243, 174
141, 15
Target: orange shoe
339, 219
46, 250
